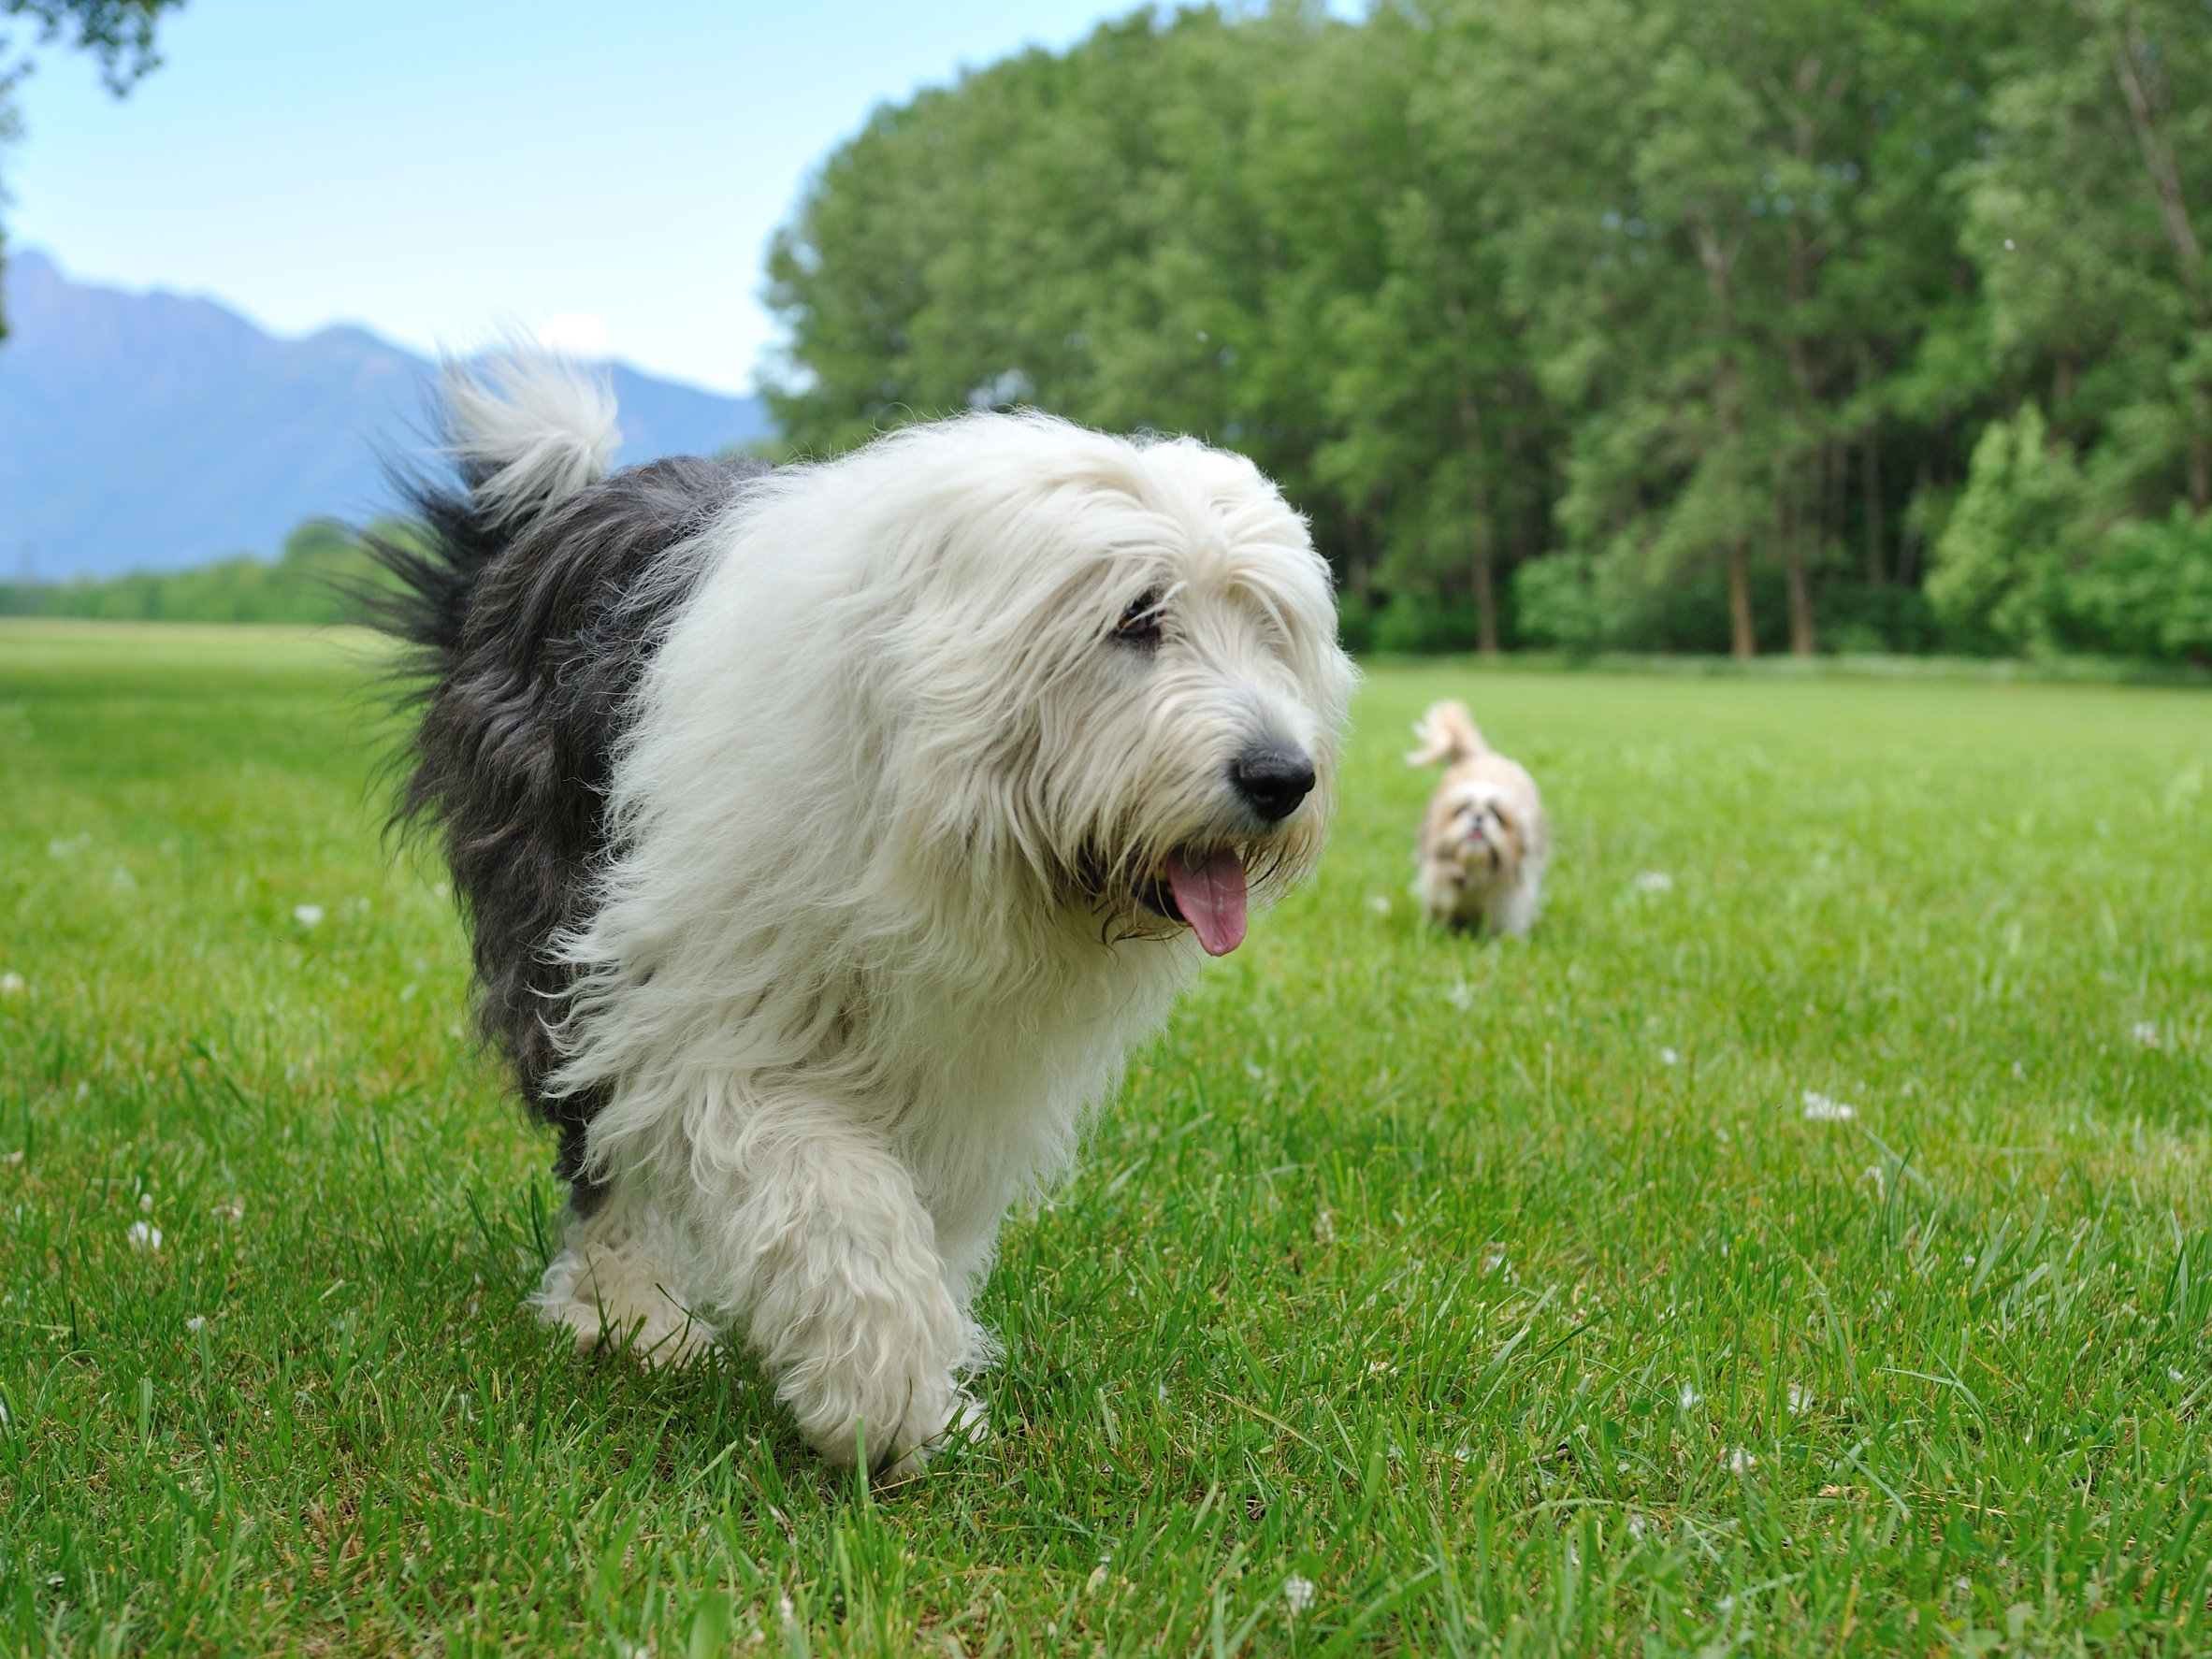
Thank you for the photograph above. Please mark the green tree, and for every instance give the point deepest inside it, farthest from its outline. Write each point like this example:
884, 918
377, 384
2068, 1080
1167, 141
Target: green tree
2000, 578
1440, 437
1628, 322
2086, 215
1732, 236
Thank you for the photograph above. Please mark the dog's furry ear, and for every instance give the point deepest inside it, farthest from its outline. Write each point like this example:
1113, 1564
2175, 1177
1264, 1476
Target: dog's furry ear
1447, 733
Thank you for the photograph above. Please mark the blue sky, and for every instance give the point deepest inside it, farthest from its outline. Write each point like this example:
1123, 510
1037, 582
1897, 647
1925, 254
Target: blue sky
443, 170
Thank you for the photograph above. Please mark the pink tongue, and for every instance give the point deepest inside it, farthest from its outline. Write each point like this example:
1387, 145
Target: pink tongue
1211, 898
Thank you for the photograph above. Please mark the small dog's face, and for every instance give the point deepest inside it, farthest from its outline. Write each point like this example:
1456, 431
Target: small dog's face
1165, 686
1478, 833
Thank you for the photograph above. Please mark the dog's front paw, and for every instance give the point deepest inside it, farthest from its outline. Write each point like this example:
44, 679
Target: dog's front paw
968, 1425
949, 1418
898, 1425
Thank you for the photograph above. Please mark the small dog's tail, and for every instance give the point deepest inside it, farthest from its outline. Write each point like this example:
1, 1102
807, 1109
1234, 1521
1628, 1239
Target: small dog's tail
525, 430
1448, 733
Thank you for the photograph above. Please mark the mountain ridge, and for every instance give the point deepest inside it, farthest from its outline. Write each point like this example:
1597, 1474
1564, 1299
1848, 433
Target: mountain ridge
157, 431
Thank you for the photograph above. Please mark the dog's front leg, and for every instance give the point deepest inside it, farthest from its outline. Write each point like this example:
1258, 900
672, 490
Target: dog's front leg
818, 1235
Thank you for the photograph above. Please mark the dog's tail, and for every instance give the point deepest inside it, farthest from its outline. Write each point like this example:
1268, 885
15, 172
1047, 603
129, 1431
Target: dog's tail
525, 430
1448, 733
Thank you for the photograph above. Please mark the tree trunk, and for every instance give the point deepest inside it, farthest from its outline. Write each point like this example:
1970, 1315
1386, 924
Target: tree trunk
1478, 514
1908, 546
1871, 476
1740, 642
2133, 60
1800, 595
1485, 593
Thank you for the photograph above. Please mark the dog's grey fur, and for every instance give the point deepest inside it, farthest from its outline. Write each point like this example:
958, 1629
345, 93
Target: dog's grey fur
531, 634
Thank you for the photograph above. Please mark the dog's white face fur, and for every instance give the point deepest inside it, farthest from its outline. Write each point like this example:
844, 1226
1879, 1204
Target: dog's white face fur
1093, 632
920, 780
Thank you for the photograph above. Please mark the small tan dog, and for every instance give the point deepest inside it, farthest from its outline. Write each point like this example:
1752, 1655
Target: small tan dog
1484, 840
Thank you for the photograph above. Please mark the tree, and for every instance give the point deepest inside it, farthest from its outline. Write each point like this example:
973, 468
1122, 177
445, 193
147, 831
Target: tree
1646, 323
2087, 216
1731, 232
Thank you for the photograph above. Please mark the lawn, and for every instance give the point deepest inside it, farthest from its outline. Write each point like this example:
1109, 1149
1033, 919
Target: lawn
1417, 1295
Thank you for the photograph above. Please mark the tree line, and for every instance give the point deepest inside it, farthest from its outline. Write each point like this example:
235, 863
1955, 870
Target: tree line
319, 578
1733, 324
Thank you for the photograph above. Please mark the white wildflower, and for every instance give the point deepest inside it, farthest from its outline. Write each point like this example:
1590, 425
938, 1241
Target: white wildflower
1741, 1462
11, 985
145, 1235
1689, 1396
307, 915
196, 1323
1654, 881
1820, 1109
2146, 1034
1667, 1057
1638, 1526
146, 1202
1297, 1594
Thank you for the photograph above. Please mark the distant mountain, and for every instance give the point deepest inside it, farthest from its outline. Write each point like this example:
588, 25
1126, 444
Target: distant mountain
152, 431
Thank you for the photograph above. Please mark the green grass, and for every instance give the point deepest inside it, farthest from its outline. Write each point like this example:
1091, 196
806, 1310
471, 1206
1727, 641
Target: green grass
1414, 1268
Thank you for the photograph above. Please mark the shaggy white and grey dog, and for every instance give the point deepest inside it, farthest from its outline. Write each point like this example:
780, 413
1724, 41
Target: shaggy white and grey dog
1483, 840
829, 835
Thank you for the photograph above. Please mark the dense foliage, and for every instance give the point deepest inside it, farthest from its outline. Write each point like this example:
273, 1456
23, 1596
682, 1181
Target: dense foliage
1590, 323
323, 566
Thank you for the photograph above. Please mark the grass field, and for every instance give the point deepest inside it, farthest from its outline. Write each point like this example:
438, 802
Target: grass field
1418, 1295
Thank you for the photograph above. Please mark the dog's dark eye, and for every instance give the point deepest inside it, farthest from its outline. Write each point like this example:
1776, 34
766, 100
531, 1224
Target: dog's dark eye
1140, 624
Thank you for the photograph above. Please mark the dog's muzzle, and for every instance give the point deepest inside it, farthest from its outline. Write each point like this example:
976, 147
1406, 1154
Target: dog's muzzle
1272, 780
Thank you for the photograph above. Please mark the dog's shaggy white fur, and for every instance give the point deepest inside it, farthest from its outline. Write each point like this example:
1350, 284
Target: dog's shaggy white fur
1483, 840
937, 777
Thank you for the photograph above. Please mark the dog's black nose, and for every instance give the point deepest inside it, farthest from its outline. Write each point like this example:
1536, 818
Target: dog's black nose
1272, 780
